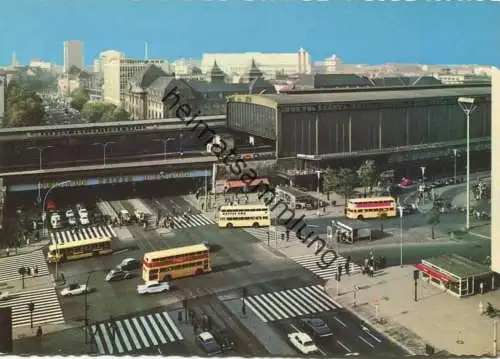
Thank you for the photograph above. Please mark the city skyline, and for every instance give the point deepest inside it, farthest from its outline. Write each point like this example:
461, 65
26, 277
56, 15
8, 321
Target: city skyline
377, 28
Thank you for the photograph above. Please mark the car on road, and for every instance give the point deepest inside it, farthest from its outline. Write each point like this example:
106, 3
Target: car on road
4, 296
407, 209
129, 264
125, 216
224, 338
69, 213
316, 327
116, 275
208, 344
153, 287
75, 289
302, 342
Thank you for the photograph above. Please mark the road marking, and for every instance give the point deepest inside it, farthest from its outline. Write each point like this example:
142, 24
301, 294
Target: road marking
366, 341
120, 251
367, 331
341, 322
344, 346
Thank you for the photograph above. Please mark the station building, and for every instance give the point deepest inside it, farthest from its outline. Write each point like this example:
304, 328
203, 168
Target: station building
402, 128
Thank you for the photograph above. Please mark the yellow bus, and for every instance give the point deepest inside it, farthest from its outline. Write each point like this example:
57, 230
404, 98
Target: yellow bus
83, 248
372, 207
169, 264
247, 215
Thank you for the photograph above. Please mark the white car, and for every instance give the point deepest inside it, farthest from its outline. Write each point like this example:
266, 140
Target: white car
302, 342
70, 213
74, 289
72, 221
153, 287
4, 296
84, 218
125, 215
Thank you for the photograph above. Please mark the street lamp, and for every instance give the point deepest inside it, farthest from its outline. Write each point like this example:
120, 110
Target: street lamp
104, 145
455, 152
165, 143
467, 105
181, 151
40, 149
86, 316
401, 241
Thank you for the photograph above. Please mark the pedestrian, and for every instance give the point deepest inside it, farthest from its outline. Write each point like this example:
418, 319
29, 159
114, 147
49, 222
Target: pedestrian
372, 270
39, 331
481, 288
36, 271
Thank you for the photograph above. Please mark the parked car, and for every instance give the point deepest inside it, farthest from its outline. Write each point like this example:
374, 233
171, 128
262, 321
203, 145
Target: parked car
125, 216
302, 342
208, 344
153, 287
74, 289
315, 327
129, 264
4, 296
69, 213
115, 275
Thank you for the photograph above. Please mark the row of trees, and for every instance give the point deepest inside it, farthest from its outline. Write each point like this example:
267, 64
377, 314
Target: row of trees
344, 180
96, 111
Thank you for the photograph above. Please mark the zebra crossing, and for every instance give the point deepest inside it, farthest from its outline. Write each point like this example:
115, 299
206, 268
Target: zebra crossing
47, 307
135, 333
195, 220
73, 235
9, 266
310, 262
261, 233
290, 303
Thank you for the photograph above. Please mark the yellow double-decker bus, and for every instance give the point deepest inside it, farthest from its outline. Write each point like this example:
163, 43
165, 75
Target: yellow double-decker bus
372, 207
169, 264
247, 215
84, 248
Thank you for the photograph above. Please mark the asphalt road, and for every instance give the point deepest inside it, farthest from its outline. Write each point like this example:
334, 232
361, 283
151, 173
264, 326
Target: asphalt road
239, 260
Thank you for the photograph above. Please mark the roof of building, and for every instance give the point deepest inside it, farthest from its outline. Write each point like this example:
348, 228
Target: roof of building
457, 265
405, 81
147, 76
207, 87
376, 95
161, 83
318, 81
260, 85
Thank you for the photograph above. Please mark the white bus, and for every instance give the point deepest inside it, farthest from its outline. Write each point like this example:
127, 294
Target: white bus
247, 215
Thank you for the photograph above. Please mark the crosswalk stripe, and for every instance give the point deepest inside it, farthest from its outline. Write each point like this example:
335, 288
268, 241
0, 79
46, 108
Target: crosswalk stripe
124, 336
69, 236
195, 220
290, 303
135, 333
310, 261
132, 334
9, 266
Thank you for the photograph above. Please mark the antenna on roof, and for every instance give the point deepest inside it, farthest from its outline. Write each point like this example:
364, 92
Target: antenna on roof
146, 51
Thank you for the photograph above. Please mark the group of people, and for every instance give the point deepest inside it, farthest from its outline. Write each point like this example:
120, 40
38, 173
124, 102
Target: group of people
372, 264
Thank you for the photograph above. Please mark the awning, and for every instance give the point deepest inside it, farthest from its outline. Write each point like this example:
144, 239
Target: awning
433, 273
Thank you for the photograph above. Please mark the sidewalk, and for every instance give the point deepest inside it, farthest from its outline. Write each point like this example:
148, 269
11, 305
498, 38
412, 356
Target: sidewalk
387, 301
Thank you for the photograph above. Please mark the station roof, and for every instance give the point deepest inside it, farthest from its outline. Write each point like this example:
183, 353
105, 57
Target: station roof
458, 266
376, 95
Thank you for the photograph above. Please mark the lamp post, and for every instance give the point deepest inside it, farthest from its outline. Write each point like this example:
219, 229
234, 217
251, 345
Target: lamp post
455, 152
86, 315
206, 190
467, 105
104, 146
165, 144
422, 170
40, 150
401, 241
181, 151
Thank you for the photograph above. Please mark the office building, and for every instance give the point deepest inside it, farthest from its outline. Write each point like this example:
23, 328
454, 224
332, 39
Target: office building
118, 70
332, 64
272, 65
73, 54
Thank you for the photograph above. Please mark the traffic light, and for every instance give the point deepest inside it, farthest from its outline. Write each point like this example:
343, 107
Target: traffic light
339, 271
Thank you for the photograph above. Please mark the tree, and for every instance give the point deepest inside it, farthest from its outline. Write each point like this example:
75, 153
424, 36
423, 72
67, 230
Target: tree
24, 108
103, 112
367, 174
79, 98
342, 181
433, 219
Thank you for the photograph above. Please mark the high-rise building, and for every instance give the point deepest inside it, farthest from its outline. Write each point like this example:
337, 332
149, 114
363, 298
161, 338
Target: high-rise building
332, 64
118, 70
271, 64
73, 54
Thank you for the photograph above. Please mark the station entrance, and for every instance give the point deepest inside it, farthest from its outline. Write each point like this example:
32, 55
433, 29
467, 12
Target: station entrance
459, 276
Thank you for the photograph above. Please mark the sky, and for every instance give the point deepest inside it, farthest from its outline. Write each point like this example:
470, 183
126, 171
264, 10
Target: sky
369, 32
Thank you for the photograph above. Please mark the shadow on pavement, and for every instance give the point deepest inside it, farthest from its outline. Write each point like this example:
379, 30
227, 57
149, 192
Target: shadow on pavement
64, 342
